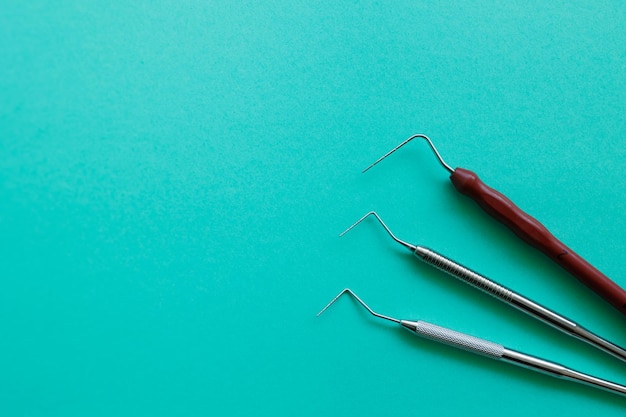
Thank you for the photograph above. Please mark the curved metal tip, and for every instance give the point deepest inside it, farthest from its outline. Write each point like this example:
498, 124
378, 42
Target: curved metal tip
373, 213
356, 297
419, 135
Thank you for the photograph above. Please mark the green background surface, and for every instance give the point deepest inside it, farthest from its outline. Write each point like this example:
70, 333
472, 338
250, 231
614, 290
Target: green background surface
174, 176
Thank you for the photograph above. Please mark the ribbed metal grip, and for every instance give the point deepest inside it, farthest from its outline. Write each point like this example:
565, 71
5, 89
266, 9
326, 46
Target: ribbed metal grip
457, 339
464, 274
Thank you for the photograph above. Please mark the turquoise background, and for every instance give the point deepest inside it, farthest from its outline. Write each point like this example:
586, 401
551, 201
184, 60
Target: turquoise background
174, 177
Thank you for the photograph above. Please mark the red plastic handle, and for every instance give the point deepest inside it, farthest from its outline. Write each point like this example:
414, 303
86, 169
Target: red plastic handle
535, 234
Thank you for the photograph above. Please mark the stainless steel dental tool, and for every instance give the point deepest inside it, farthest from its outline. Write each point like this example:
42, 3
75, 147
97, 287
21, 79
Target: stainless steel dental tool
502, 293
490, 349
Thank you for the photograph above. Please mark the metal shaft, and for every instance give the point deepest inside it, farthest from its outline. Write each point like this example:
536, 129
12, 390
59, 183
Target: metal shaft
560, 371
516, 300
499, 352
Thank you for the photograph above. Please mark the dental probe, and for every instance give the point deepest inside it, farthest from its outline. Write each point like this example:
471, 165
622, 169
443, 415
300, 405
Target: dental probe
491, 350
502, 293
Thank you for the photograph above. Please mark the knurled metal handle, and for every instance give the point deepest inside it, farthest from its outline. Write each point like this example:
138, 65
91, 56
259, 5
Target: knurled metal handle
459, 340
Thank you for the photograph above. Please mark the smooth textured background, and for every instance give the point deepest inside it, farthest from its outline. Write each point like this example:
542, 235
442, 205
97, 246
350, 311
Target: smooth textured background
174, 176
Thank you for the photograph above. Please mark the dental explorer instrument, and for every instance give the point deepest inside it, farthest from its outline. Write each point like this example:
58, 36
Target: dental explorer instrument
526, 228
490, 349
502, 293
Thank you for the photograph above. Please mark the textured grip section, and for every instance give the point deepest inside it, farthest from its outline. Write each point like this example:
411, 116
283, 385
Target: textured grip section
535, 234
464, 274
459, 340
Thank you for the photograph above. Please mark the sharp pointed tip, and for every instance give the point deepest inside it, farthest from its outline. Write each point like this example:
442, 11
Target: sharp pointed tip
333, 300
373, 164
357, 222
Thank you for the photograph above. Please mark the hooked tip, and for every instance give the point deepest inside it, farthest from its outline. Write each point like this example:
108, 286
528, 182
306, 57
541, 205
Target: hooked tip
356, 297
407, 245
419, 135
333, 300
369, 213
